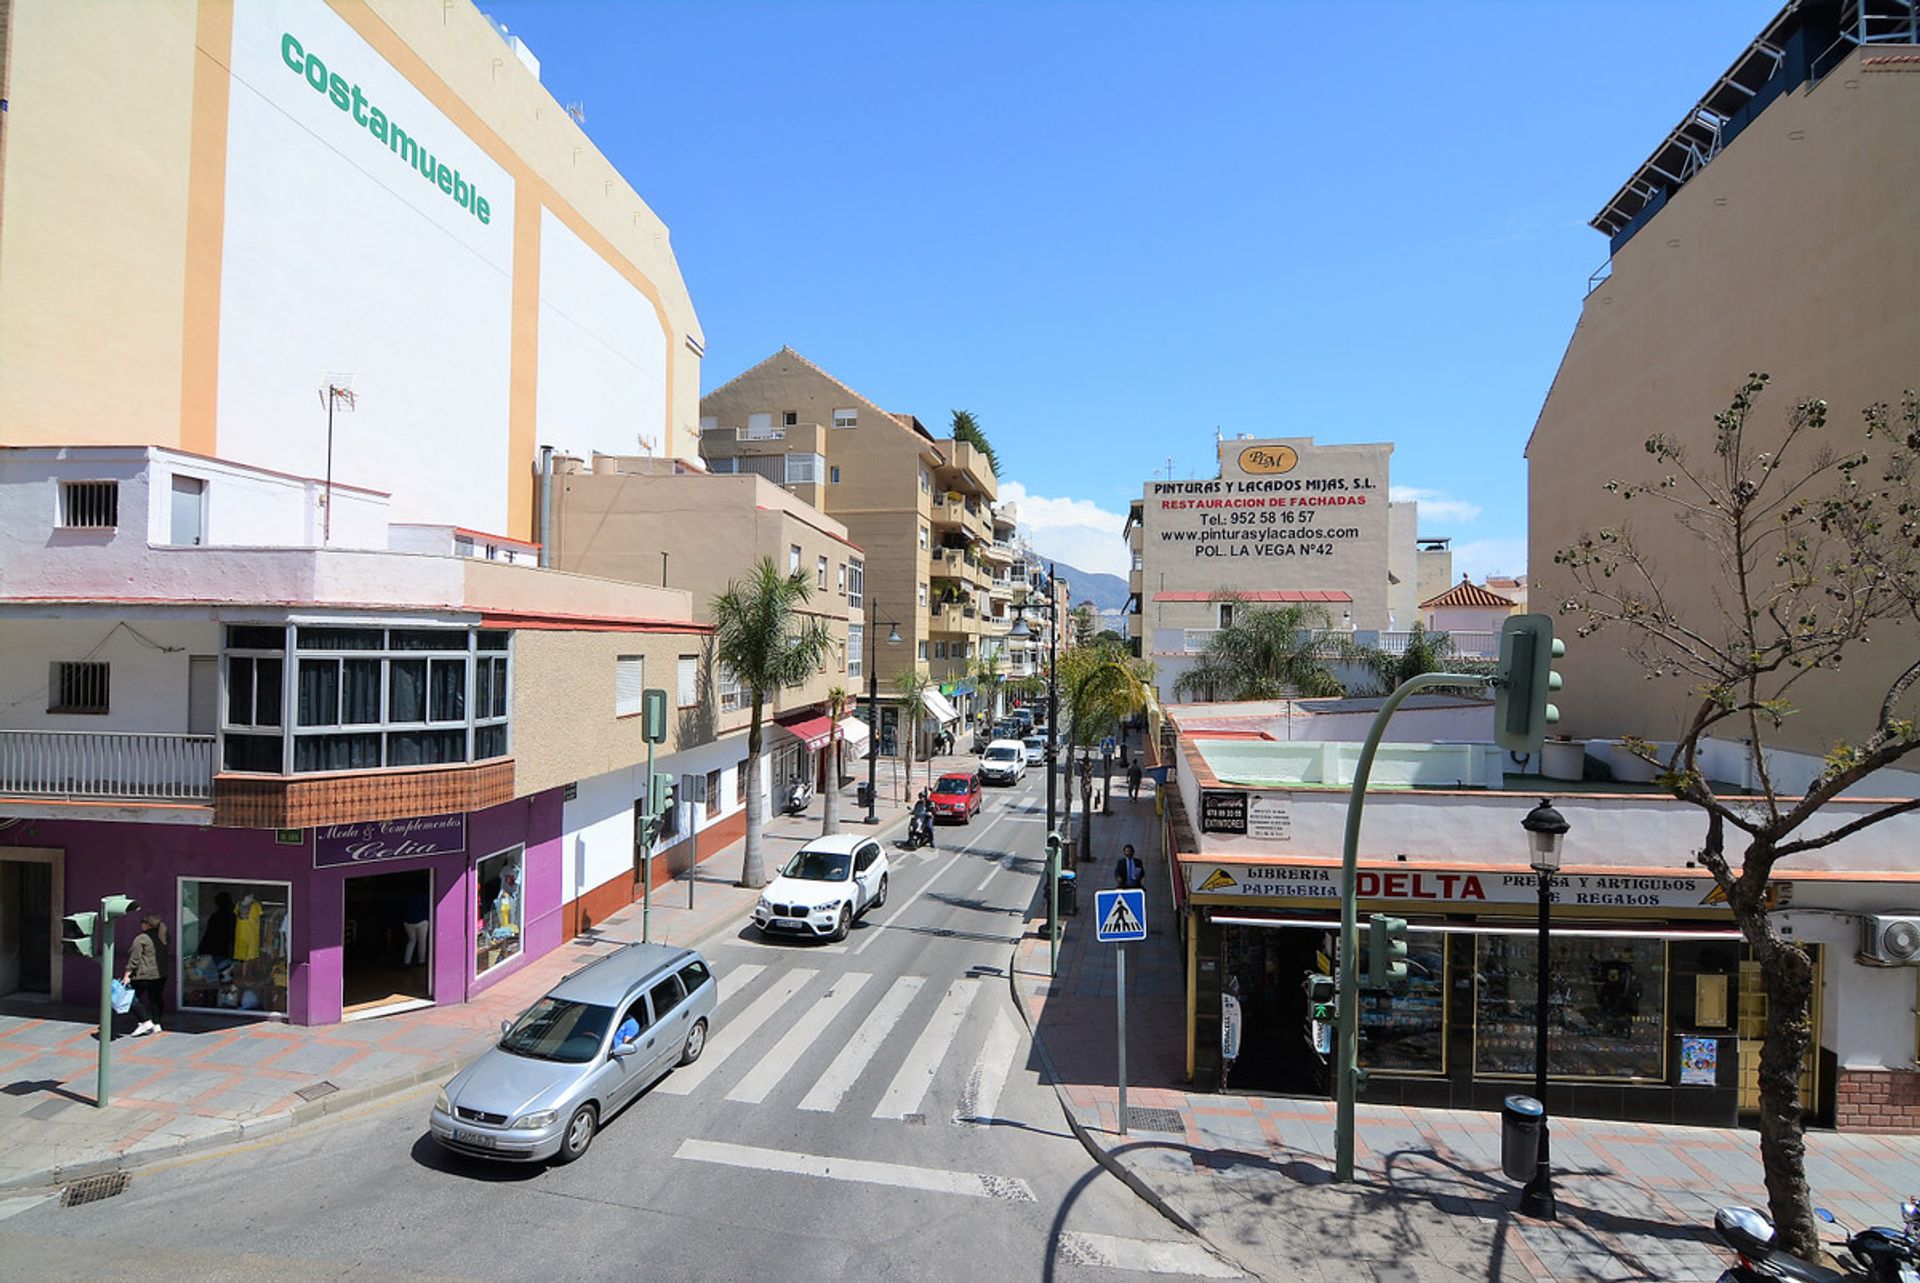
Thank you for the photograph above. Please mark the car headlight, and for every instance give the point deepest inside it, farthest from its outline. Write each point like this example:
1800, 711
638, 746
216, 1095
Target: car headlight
536, 1120
764, 906
441, 1102
826, 910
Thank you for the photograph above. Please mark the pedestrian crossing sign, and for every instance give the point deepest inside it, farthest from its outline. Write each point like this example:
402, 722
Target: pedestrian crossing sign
1120, 914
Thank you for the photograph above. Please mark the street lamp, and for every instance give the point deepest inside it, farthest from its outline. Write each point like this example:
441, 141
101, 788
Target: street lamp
1546, 831
873, 700
1022, 632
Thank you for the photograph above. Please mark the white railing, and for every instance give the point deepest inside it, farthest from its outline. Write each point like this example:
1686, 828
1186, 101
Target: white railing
761, 434
1196, 639
1468, 644
106, 764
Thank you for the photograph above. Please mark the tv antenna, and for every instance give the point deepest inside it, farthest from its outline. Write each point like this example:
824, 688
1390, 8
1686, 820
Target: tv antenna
578, 110
337, 391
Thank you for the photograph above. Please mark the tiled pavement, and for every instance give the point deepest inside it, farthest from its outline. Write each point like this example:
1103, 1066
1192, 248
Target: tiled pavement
209, 1080
1254, 1174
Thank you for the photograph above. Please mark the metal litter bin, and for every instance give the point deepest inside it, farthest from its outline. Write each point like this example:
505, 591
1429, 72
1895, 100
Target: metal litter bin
1069, 893
1520, 1121
863, 796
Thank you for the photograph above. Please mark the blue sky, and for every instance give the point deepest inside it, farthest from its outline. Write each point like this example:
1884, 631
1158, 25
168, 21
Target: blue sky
1109, 229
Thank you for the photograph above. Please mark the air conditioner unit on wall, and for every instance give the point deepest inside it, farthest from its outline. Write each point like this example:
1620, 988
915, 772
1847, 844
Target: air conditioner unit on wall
1890, 941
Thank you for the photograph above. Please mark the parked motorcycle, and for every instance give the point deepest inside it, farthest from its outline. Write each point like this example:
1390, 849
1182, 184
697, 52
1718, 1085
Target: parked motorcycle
799, 795
1879, 1254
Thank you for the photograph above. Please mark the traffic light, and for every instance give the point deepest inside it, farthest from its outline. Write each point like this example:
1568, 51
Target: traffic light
663, 797
1320, 997
118, 906
1521, 713
653, 715
77, 933
1386, 952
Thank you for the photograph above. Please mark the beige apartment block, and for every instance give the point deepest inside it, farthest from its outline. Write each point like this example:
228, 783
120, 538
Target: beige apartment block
920, 506
1790, 250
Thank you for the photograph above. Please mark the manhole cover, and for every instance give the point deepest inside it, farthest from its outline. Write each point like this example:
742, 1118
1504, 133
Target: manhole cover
93, 1189
316, 1091
1157, 1120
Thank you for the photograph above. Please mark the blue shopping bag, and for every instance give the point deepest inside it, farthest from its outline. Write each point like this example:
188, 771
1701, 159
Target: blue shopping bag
122, 996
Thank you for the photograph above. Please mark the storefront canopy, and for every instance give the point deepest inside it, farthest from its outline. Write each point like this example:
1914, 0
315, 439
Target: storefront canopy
937, 706
810, 729
853, 732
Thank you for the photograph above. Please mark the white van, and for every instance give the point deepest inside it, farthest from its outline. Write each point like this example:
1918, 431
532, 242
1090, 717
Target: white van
1004, 762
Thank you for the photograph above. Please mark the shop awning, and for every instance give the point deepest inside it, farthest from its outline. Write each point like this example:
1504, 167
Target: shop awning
853, 732
936, 704
811, 729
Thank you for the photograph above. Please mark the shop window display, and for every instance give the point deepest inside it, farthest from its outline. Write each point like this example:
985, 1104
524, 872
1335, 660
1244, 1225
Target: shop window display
501, 883
235, 939
1405, 1031
1606, 1006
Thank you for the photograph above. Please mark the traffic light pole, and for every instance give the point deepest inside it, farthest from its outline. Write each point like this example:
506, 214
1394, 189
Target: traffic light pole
646, 862
105, 950
1347, 1013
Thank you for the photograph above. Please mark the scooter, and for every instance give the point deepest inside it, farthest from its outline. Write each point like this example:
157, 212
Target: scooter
799, 794
1879, 1254
920, 829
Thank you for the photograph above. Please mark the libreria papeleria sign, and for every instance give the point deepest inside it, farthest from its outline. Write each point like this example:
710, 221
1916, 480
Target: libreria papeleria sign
348, 98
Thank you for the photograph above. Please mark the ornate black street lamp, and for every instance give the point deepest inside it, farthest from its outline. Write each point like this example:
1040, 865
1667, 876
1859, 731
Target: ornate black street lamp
873, 700
1546, 830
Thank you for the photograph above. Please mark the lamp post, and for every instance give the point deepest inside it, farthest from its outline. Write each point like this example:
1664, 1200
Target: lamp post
1546, 829
1021, 632
873, 701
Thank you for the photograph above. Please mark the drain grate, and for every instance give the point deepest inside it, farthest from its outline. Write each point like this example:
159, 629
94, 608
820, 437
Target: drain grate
316, 1091
93, 1189
1157, 1120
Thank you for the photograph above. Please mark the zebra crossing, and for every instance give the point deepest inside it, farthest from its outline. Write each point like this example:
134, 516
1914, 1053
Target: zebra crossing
772, 1029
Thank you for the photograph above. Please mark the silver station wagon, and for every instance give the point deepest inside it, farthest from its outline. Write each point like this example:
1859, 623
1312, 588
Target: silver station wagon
572, 1060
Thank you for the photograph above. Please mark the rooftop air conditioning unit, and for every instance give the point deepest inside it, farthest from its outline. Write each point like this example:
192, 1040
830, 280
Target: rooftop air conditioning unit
1887, 941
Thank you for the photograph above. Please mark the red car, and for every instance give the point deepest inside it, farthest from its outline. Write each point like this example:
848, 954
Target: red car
956, 797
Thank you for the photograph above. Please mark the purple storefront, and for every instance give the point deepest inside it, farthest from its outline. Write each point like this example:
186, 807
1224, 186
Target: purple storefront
320, 925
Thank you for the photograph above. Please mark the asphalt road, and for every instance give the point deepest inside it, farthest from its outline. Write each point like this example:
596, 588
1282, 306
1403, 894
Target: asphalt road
872, 1109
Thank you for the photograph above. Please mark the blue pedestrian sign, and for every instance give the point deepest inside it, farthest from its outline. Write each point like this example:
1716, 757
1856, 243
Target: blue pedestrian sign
1120, 915
1106, 746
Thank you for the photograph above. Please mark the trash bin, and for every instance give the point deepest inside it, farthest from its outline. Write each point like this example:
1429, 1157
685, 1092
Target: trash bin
1520, 1120
863, 796
1069, 893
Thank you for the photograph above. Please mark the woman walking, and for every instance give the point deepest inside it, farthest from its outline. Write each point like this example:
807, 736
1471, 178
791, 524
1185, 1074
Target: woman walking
143, 974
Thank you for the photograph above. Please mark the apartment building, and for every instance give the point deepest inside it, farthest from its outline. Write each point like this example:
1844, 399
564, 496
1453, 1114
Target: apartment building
203, 707
667, 522
920, 506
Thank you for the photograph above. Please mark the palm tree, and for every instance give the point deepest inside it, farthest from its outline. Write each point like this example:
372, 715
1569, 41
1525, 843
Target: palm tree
986, 671
1426, 652
759, 634
830, 804
1265, 653
913, 686
1101, 686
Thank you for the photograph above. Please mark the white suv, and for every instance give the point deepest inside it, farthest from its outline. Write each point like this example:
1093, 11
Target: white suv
1004, 762
826, 885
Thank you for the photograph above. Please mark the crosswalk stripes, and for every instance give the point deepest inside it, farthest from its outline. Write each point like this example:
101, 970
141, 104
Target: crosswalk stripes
864, 1171
989, 1074
793, 1044
736, 980
909, 1086
833, 1085
732, 1034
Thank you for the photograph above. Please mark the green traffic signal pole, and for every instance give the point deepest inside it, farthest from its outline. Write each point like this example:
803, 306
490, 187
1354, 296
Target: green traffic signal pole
1347, 1013
104, 939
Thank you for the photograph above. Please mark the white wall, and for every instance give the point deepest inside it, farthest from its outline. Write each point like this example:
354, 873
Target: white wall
340, 258
1403, 564
1463, 619
147, 658
603, 354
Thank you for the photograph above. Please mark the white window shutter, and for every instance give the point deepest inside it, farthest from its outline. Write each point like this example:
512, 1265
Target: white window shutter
689, 681
630, 678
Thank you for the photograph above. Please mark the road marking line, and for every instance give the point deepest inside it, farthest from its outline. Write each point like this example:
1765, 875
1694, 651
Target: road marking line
730, 1036
833, 1085
864, 1171
909, 1086
989, 1076
991, 870
773, 1066
14, 1206
1148, 1256
737, 979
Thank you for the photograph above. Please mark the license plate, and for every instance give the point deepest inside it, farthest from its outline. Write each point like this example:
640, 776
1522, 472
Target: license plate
788, 924
480, 1140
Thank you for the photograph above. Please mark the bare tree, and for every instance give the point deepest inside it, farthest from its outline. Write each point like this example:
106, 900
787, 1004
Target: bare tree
1813, 550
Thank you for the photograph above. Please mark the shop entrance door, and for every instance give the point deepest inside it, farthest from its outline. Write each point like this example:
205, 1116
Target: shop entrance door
26, 928
386, 961
1268, 967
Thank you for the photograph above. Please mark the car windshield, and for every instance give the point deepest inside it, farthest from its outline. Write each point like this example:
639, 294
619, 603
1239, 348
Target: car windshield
1036, 741
954, 784
1001, 754
819, 866
555, 1029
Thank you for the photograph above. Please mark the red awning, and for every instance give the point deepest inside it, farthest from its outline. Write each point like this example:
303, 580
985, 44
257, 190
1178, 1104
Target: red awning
811, 729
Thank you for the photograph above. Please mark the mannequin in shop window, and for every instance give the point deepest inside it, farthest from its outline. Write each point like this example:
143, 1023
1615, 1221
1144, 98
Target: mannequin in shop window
217, 936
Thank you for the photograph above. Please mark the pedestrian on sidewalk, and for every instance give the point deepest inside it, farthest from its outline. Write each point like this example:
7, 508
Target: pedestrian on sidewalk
143, 974
1133, 781
1128, 872
415, 916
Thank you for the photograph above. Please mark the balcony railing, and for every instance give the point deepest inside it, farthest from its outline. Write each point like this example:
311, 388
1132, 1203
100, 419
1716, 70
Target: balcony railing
1468, 644
106, 764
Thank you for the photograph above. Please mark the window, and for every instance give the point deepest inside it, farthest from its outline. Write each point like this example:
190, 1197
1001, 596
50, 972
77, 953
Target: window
713, 794
820, 574
923, 594
90, 505
689, 680
1405, 1031
233, 946
740, 783
693, 975
709, 421
805, 469
843, 579
833, 475
760, 424
1226, 614
793, 559
856, 582
1607, 1006
629, 679
80, 687
863, 858
926, 482
637, 1013
665, 996
846, 418
923, 538
856, 649
940, 650
189, 511
923, 652
500, 908
790, 418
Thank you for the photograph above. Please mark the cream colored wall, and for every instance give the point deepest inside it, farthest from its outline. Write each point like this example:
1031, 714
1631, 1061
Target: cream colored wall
93, 221
564, 725
1792, 252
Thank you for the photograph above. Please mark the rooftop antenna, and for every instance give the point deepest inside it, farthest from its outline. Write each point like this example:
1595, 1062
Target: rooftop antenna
338, 391
646, 443
578, 110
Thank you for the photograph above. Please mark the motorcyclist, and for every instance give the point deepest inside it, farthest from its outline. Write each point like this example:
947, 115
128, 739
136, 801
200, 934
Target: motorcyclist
921, 829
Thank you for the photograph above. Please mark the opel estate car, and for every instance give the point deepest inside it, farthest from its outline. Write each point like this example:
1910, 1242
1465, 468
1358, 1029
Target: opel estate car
572, 1060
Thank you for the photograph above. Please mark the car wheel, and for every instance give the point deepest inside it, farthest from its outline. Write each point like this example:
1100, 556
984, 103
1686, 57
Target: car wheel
880, 896
696, 1043
579, 1134
846, 923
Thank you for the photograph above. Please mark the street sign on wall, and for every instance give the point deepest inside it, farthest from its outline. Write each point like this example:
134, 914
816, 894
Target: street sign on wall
1223, 811
375, 840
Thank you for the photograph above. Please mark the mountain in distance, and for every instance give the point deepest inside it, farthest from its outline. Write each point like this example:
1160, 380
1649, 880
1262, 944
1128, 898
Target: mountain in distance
1108, 593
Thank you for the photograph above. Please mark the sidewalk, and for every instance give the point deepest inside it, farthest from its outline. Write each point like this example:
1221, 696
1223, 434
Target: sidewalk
1254, 1174
210, 1080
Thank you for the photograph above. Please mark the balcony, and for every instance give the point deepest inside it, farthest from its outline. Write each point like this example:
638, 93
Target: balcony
106, 766
1466, 644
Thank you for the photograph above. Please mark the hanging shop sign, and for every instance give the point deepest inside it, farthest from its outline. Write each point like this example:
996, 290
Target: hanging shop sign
374, 840
1223, 811
1571, 890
